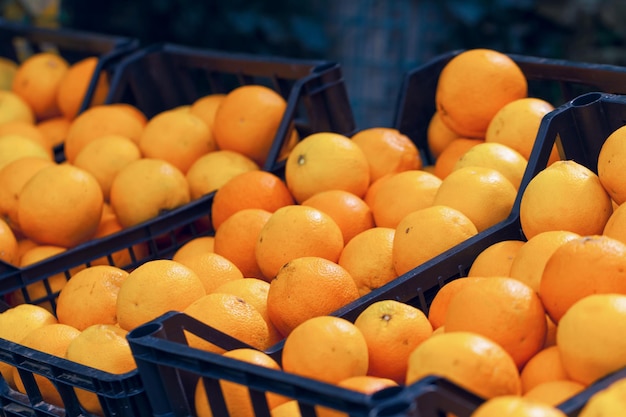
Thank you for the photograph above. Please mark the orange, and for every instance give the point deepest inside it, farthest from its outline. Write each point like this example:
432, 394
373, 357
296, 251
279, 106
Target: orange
392, 330
594, 318
351, 213
474, 362
247, 121
325, 161
365, 384
544, 366
13, 147
387, 151
14, 108
611, 162
368, 258
294, 231
449, 156
52, 339
290, 408
133, 111
551, 332
237, 396
54, 129
60, 205
74, 84
515, 406
372, 190
236, 239
105, 119
615, 226
322, 340
531, 258
145, 188
25, 129
212, 170
438, 135
517, 123
122, 258
23, 246
8, 244
502, 158
606, 402
206, 106
496, 259
231, 315
251, 189
402, 193
142, 298
37, 81
473, 86
177, 137
565, 196
114, 356
483, 194
307, 287
200, 244
105, 157
90, 297
213, 269
8, 68
573, 272
555, 392
439, 305
503, 309
424, 234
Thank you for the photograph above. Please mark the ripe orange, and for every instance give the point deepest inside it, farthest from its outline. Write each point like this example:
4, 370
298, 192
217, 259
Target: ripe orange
307, 287
611, 162
496, 259
368, 258
438, 135
607, 402
251, 189
325, 161
54, 129
555, 392
247, 120
615, 226
74, 84
423, 234
14, 108
318, 341
449, 156
25, 129
122, 258
516, 406
205, 107
439, 305
392, 330
212, 269
365, 384
8, 244
13, 147
565, 196
387, 151
544, 366
473, 86
573, 272
200, 244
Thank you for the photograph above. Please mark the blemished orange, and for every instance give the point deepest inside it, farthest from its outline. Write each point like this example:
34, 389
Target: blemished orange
105, 119
307, 287
502, 158
13, 107
565, 196
544, 366
52, 339
392, 330
611, 164
351, 213
387, 151
607, 402
145, 188
206, 106
573, 272
366, 384
237, 396
105, 156
13, 147
483, 194
199, 244
295, 231
141, 298
8, 244
212, 170
114, 356
318, 341
515, 406
37, 81
424, 234
325, 161
438, 135
90, 297
368, 258
447, 159
25, 129
54, 129
439, 305
177, 137
402, 193
60, 205
236, 239
591, 319
615, 226
474, 362
229, 314
473, 86
251, 189
488, 306
213, 269
247, 120
496, 259
528, 264
73, 86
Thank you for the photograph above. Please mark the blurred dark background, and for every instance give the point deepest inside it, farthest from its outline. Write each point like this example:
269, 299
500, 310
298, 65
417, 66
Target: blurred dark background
375, 41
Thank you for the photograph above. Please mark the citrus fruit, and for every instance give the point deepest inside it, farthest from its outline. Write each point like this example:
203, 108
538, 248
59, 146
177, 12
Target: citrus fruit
496, 259
74, 84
